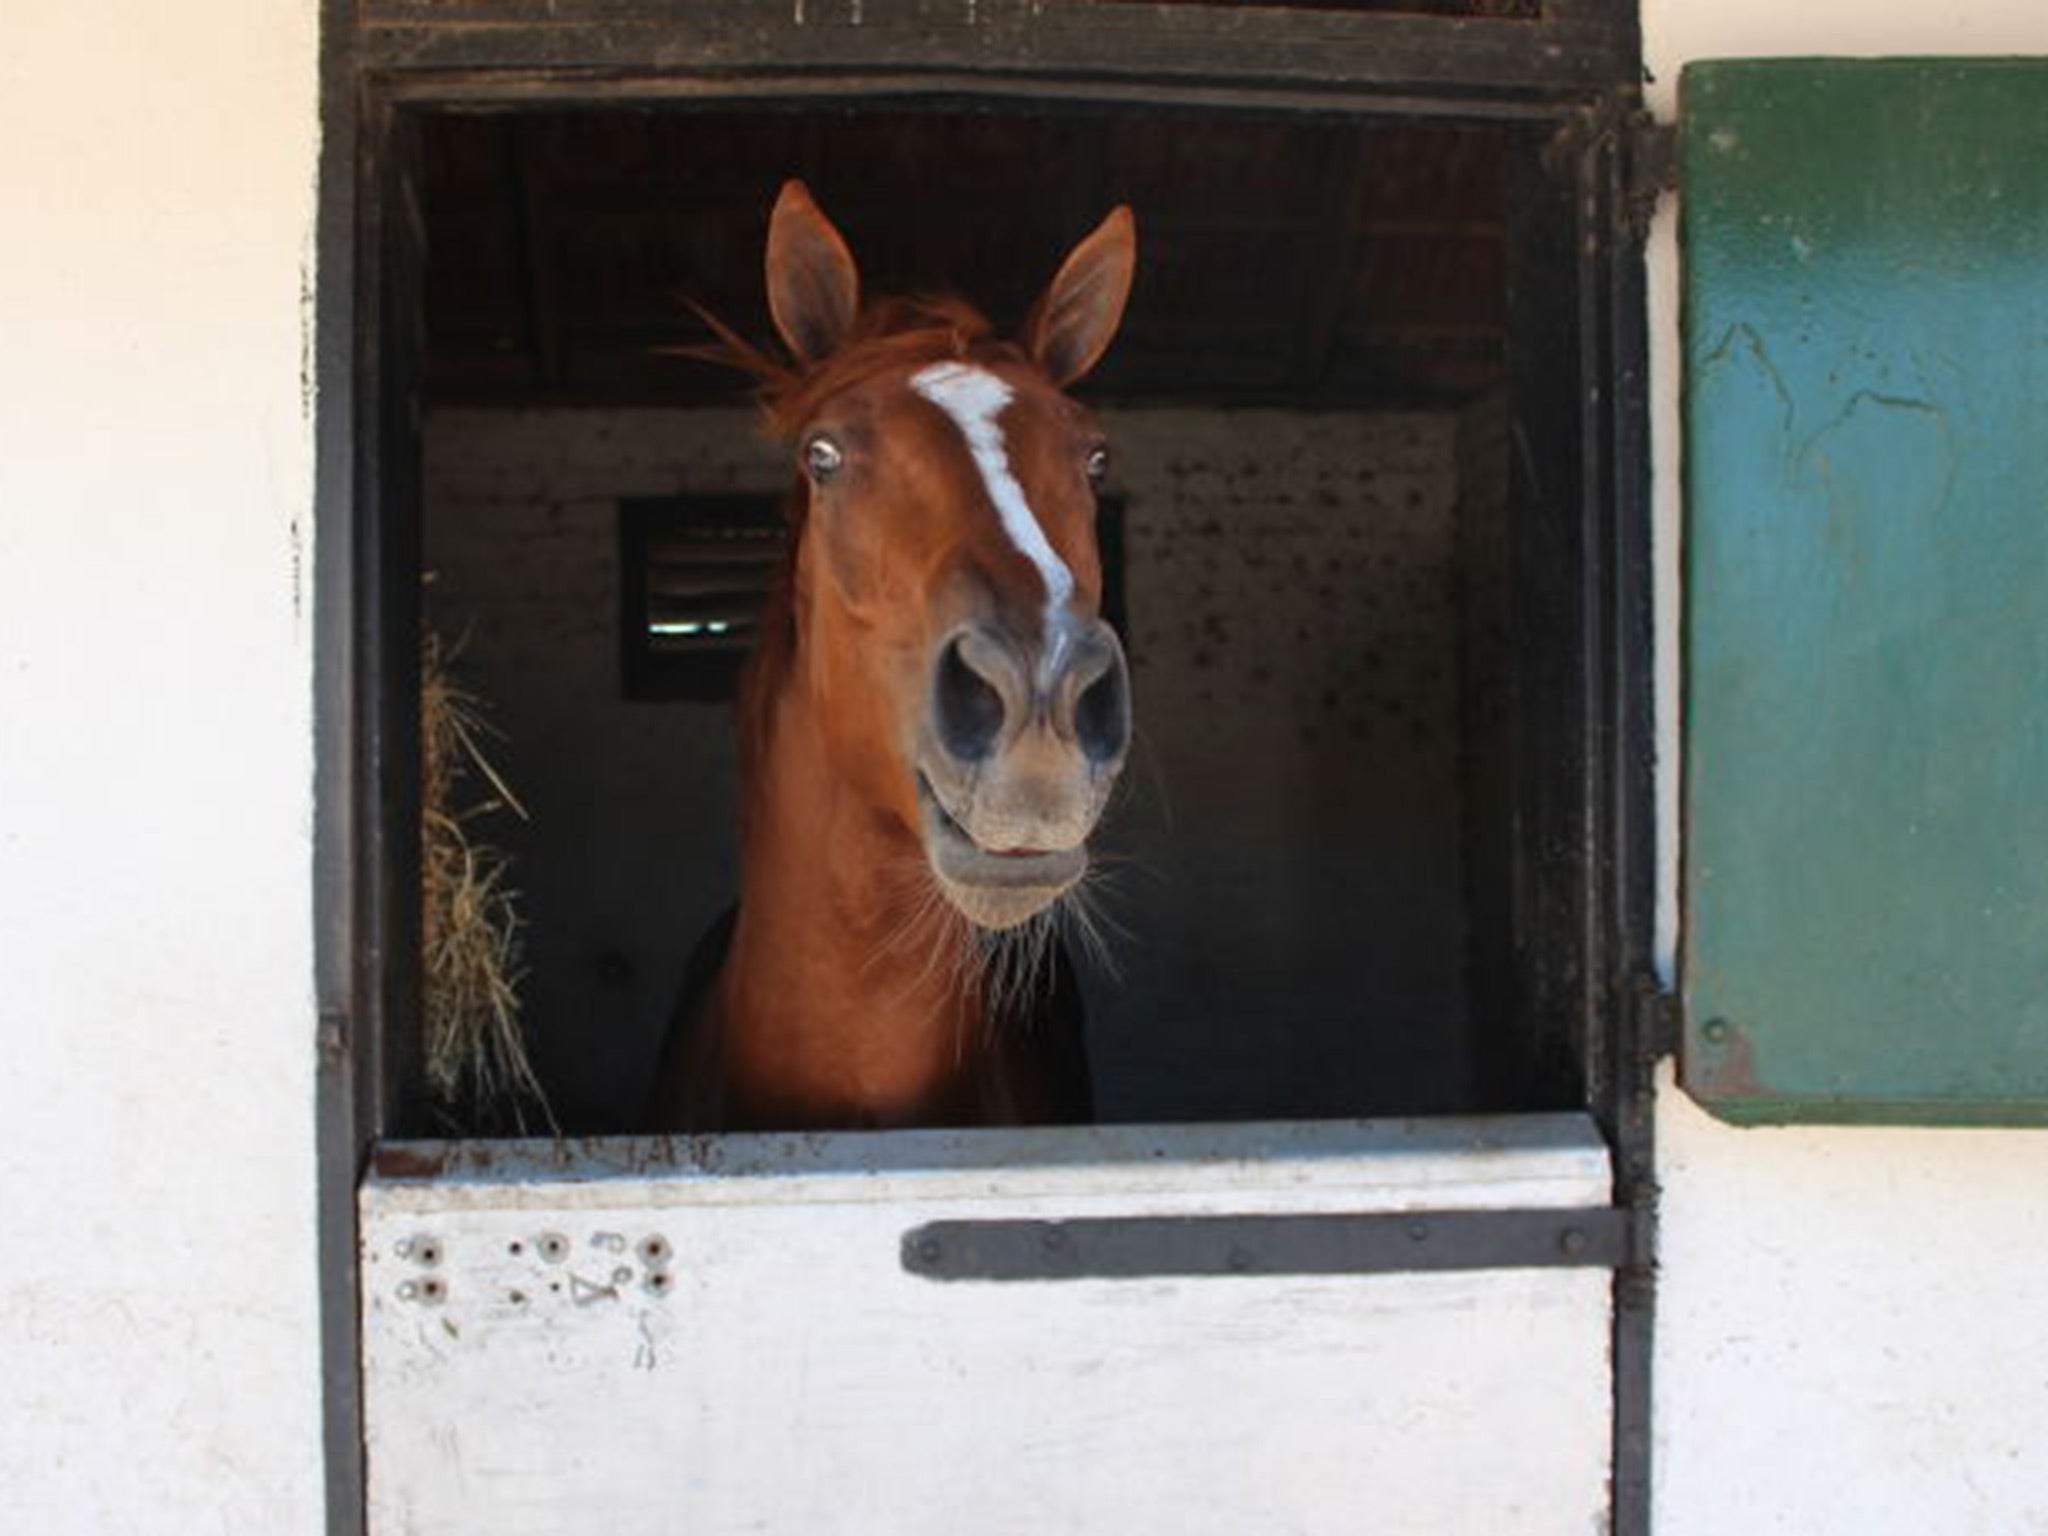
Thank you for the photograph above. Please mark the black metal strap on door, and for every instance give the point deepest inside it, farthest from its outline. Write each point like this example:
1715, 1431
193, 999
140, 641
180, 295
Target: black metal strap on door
1140, 1247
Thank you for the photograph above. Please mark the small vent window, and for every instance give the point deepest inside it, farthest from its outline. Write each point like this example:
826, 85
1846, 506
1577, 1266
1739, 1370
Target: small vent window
695, 571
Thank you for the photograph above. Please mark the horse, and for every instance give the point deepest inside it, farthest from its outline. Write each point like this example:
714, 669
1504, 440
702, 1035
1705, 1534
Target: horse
932, 721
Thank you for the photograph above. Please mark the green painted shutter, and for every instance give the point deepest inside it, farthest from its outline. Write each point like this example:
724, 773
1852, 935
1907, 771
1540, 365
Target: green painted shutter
1866, 354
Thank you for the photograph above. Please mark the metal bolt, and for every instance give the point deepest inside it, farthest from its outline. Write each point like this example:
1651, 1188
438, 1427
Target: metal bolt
1571, 1241
658, 1282
1715, 1031
1418, 1231
655, 1250
431, 1290
929, 1250
1054, 1239
622, 1276
427, 1251
553, 1246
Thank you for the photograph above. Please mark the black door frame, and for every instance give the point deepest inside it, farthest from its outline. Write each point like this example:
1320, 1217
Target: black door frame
1584, 879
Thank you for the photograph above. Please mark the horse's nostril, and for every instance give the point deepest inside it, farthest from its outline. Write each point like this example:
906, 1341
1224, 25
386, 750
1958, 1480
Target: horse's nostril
968, 708
1102, 715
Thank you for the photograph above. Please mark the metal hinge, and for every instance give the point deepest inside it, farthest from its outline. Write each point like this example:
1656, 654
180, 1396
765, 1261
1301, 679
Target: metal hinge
1649, 167
1658, 1020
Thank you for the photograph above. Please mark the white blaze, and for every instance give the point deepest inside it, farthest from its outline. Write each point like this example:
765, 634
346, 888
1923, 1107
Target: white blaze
974, 397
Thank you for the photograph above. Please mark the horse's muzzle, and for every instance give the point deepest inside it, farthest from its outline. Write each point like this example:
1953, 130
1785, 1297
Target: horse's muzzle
960, 859
1015, 762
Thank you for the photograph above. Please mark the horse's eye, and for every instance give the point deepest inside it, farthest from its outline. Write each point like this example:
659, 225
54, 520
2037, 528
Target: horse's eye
1098, 465
822, 458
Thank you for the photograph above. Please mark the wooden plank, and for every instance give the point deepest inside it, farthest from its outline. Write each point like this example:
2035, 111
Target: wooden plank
543, 299
1867, 718
718, 1334
1574, 47
1337, 234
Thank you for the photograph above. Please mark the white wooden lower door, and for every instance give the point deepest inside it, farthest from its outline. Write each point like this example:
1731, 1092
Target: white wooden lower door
815, 1334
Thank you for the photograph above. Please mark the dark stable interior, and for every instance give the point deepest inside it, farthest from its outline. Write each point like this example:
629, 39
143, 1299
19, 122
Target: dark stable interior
1304, 878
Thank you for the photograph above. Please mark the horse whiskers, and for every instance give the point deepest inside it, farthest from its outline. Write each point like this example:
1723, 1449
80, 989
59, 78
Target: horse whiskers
1015, 964
923, 903
928, 928
1126, 792
1086, 919
1009, 968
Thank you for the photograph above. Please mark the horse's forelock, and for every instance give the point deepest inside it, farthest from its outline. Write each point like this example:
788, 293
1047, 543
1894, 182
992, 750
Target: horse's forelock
891, 333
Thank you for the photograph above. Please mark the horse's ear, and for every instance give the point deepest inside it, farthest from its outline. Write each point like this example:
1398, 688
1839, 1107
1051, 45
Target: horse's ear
813, 285
1073, 325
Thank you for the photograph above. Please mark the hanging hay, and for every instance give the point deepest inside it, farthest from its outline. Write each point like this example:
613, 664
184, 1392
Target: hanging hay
477, 1067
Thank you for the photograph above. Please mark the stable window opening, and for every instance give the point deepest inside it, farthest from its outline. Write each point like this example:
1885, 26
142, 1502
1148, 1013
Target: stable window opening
1343, 876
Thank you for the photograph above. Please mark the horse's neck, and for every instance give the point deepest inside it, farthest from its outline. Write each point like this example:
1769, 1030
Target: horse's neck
847, 996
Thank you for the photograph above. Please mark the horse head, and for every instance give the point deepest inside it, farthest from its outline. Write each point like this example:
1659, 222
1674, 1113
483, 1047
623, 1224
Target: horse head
946, 582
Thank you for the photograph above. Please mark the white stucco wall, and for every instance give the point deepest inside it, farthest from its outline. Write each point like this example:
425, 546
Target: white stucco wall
1853, 1325
158, 1332
1853, 1330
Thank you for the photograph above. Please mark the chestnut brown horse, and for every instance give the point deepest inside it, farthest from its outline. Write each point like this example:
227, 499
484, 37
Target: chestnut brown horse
932, 720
